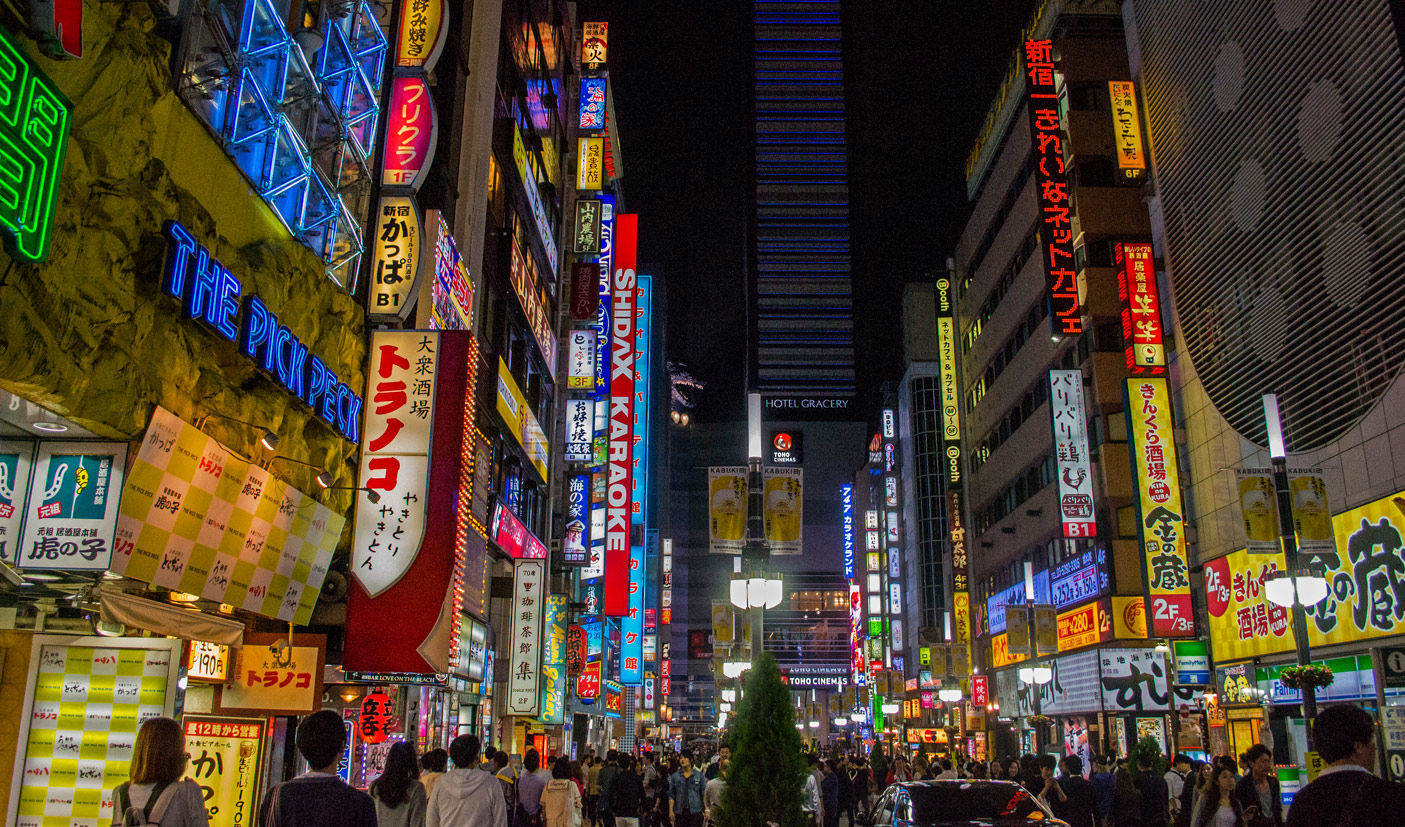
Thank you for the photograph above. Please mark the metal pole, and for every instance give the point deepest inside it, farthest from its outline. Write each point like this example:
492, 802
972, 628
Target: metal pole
1035, 685
1290, 558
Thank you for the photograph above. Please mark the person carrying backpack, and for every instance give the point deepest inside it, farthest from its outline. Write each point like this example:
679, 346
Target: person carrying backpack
155, 793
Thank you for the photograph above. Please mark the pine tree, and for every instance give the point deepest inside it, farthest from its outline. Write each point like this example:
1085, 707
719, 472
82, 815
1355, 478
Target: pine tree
766, 778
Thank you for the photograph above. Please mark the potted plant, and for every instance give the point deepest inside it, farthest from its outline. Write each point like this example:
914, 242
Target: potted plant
1299, 677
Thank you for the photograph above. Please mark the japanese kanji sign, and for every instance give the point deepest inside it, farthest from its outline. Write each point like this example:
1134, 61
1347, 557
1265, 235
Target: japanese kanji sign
71, 513
580, 375
198, 519
411, 133
1141, 308
16, 459
452, 291
1134, 680
587, 240
395, 456
1160, 515
590, 174
573, 550
594, 41
395, 260
1052, 189
1071, 454
373, 724
83, 704
272, 679
523, 276
424, 26
546, 233
631, 670
524, 657
592, 103
619, 493
224, 758
33, 136
408, 543
1127, 129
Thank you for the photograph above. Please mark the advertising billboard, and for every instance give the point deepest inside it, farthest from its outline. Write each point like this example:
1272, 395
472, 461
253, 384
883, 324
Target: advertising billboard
1075, 470
1052, 189
1141, 308
619, 493
1160, 515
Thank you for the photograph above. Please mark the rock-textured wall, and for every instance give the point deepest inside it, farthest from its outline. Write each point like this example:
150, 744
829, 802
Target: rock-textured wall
88, 333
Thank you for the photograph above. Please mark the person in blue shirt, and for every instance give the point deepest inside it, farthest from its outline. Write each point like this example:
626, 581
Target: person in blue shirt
685, 793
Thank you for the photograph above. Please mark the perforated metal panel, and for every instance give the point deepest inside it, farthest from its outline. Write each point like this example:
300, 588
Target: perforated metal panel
1278, 133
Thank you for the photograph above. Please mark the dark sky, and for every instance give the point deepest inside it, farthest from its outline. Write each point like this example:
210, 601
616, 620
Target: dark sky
920, 75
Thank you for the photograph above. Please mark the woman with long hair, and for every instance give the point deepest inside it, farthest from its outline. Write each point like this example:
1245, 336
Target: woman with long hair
1195, 787
561, 798
1126, 799
400, 797
154, 791
1217, 807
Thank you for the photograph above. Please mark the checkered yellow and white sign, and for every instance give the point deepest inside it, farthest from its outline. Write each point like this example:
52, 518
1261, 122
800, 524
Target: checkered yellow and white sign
198, 519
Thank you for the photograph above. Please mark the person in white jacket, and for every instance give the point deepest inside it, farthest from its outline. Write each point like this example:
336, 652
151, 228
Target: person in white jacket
464, 797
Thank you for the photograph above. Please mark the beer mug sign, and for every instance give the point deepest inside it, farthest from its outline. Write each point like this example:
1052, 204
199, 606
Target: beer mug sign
726, 488
783, 509
1259, 507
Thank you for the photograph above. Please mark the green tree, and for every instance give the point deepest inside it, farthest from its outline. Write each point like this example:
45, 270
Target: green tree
1148, 751
766, 778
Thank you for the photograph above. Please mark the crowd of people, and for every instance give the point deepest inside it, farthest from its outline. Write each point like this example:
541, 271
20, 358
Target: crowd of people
460, 787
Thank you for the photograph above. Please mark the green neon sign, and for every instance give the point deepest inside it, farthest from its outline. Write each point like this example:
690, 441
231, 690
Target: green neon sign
34, 118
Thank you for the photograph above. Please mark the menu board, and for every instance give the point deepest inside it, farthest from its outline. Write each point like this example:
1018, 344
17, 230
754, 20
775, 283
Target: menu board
224, 761
86, 699
198, 519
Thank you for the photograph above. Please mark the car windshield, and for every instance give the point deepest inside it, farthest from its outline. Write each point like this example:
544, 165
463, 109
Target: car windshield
975, 801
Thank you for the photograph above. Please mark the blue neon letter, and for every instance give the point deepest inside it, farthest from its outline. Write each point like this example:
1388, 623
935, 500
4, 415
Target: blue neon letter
258, 322
178, 251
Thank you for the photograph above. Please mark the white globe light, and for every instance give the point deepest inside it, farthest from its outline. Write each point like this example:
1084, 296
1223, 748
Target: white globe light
1279, 591
756, 592
840, 721
773, 592
738, 593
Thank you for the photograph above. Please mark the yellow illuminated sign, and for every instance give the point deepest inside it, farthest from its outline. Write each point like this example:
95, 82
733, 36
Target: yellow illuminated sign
590, 172
946, 362
1161, 517
1127, 128
207, 661
1000, 652
513, 408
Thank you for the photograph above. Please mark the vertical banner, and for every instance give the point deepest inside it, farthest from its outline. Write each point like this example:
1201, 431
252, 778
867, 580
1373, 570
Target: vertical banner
594, 40
396, 257
632, 625
784, 509
621, 425
580, 361
1312, 520
1258, 505
1141, 308
592, 103
406, 549
451, 293
573, 551
1160, 516
525, 656
553, 700
726, 486
1071, 454
961, 596
411, 133
1127, 129
846, 502
424, 26
580, 430
587, 239
1051, 185
71, 517
225, 755
591, 172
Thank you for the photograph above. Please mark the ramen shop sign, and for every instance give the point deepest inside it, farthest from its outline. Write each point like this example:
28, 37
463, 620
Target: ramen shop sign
211, 294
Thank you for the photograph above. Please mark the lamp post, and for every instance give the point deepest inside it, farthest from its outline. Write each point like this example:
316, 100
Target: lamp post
756, 552
1301, 583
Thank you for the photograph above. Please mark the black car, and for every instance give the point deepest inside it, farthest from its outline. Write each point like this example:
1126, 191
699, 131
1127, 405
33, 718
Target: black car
959, 803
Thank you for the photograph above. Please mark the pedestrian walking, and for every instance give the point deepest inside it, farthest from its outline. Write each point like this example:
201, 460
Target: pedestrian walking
1049, 792
1195, 783
1126, 810
685, 790
433, 765
1155, 796
398, 793
712, 793
319, 797
560, 799
1217, 806
1346, 793
607, 775
627, 793
1257, 792
592, 789
527, 802
464, 796
829, 792
1175, 783
715, 766
154, 792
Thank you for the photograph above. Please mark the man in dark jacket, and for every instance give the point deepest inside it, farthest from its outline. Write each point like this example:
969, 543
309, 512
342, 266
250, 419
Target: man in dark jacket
626, 793
607, 777
1257, 792
1346, 792
1078, 805
829, 792
846, 786
1155, 795
319, 798
1102, 782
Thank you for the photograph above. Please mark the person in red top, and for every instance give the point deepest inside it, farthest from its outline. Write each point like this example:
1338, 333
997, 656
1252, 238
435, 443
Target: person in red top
899, 773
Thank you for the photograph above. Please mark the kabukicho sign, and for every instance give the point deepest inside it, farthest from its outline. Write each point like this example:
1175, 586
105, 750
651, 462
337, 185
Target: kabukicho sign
620, 465
213, 295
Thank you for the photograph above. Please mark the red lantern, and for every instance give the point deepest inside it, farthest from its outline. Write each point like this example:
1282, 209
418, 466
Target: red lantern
374, 723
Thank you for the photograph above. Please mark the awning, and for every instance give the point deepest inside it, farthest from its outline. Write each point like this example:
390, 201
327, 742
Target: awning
165, 619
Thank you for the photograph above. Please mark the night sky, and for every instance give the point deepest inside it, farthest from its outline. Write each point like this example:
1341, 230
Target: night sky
920, 76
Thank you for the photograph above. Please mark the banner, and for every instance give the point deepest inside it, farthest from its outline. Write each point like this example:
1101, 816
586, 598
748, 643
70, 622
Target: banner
407, 545
395, 257
726, 486
724, 629
451, 292
553, 700
621, 466
784, 512
220, 527
1141, 308
573, 551
271, 679
1135, 680
632, 624
412, 131
1076, 512
1160, 515
224, 759
71, 512
1127, 129
84, 701
525, 656
424, 26
580, 360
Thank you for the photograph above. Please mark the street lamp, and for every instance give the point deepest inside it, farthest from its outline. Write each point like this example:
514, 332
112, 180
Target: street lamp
1036, 675
758, 590
1298, 586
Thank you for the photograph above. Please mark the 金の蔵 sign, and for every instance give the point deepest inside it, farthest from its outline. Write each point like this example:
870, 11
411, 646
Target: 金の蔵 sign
1160, 515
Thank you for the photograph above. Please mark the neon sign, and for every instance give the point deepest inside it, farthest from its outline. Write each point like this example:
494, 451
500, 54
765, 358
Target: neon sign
213, 295
411, 133
33, 132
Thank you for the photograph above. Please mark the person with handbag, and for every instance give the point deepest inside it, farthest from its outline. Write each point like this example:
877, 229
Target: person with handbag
155, 792
1346, 793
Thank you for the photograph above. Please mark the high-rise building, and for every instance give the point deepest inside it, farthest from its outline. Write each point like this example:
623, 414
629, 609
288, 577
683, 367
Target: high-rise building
801, 325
